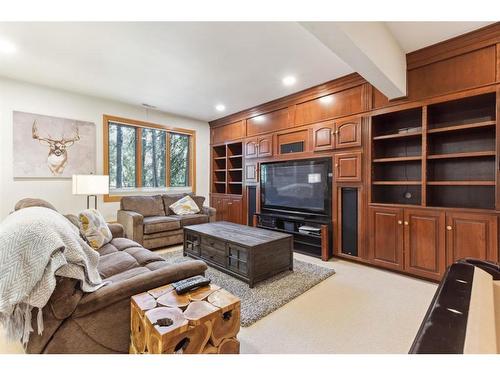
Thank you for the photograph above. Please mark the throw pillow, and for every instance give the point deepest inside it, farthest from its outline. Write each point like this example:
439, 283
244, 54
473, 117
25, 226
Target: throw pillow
185, 206
94, 228
199, 200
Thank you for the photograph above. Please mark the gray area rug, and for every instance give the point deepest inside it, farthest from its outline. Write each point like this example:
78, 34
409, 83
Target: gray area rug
268, 295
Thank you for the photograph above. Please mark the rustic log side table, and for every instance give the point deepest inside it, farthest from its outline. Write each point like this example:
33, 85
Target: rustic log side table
203, 321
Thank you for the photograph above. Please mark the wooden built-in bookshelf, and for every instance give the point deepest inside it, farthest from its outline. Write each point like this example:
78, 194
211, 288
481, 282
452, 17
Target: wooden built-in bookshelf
227, 168
444, 153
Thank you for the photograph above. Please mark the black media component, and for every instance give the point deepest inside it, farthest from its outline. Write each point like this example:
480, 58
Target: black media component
252, 203
349, 204
288, 148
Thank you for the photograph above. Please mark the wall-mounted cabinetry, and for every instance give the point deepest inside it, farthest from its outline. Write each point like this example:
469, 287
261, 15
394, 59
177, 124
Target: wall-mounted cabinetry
227, 169
337, 134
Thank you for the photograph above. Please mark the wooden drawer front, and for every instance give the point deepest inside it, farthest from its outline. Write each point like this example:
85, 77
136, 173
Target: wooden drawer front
213, 254
238, 259
214, 243
348, 167
348, 132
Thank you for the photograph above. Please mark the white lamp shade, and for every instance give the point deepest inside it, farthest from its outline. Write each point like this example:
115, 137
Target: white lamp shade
90, 184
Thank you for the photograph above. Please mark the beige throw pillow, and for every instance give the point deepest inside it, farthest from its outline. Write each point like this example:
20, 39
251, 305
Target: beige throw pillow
94, 228
185, 206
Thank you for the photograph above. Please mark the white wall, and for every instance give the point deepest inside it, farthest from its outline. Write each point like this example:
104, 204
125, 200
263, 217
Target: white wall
19, 96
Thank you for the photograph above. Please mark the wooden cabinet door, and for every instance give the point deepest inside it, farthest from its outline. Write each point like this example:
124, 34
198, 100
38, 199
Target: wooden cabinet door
265, 146
323, 135
348, 167
251, 148
233, 211
251, 174
218, 204
471, 235
348, 132
424, 243
386, 237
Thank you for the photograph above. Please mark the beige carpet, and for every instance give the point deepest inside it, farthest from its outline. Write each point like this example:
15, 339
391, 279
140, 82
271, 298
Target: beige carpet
360, 309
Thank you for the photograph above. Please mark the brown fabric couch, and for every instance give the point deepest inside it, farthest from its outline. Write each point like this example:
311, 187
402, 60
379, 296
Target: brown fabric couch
99, 322
149, 221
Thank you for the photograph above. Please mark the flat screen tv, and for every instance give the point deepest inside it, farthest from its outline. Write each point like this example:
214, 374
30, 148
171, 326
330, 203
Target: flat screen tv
299, 186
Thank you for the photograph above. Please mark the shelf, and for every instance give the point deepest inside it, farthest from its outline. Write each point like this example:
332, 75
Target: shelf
475, 154
461, 183
291, 232
399, 135
398, 159
235, 156
220, 182
474, 125
235, 169
235, 183
220, 158
396, 182
219, 170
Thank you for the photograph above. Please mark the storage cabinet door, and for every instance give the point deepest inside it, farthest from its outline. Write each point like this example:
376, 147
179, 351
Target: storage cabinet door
218, 204
233, 211
251, 148
386, 237
424, 237
348, 132
348, 167
471, 235
251, 172
323, 136
265, 146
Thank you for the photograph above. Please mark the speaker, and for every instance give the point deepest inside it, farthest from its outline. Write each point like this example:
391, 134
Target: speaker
349, 212
288, 148
252, 203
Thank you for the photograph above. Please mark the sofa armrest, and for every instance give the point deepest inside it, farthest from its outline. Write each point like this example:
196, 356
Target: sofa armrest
211, 212
117, 230
125, 289
132, 223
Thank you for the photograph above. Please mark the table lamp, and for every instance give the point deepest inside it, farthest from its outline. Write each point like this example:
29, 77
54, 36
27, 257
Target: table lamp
90, 185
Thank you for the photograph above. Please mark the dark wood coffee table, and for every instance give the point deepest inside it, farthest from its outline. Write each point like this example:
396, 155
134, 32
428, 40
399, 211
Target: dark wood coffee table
247, 253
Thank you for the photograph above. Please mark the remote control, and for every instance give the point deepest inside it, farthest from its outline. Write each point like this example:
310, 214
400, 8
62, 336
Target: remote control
186, 285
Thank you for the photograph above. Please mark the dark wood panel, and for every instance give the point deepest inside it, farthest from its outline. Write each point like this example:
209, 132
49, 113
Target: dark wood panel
335, 105
348, 167
267, 122
471, 235
228, 132
424, 238
386, 237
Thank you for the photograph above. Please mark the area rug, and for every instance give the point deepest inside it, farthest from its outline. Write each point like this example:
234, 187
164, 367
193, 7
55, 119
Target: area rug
266, 296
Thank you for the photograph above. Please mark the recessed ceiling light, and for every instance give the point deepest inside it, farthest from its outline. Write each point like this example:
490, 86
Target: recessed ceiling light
220, 107
7, 47
289, 80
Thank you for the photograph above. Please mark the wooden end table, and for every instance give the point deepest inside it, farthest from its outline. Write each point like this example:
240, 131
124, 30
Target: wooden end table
204, 321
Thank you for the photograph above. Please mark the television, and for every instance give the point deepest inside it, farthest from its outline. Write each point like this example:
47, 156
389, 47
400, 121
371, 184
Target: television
298, 186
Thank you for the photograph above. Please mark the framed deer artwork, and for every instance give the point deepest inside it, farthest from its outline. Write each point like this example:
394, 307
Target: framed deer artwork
52, 147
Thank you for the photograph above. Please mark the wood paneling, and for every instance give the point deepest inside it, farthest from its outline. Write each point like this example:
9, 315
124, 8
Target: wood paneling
424, 237
293, 137
229, 208
251, 172
471, 235
265, 146
386, 237
323, 136
335, 105
348, 132
348, 167
228, 132
267, 122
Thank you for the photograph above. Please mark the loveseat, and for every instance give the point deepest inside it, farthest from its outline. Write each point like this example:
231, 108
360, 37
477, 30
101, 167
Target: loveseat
99, 322
149, 221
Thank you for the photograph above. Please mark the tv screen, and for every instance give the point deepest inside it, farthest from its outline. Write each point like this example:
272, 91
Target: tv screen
302, 185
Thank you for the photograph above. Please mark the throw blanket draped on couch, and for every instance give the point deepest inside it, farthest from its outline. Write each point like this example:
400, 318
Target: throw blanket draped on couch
36, 245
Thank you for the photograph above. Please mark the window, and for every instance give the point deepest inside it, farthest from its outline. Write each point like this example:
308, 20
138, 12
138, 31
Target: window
140, 156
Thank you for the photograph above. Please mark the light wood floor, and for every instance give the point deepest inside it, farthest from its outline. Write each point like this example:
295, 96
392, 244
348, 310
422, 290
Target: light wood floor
358, 310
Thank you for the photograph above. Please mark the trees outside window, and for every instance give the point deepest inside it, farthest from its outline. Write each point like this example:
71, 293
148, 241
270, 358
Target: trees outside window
179, 160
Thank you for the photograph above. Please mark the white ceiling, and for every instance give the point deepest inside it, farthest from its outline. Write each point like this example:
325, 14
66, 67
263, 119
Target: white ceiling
187, 68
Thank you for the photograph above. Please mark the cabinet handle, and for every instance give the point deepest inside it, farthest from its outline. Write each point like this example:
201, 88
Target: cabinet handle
406, 223
229, 203
400, 222
448, 227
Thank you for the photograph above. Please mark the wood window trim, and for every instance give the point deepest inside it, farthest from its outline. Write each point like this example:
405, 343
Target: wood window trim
149, 125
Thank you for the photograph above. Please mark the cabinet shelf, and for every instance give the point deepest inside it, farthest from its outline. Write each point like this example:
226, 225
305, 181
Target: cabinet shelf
235, 156
397, 159
461, 183
220, 182
397, 182
220, 158
398, 135
235, 183
474, 154
235, 169
450, 128
219, 170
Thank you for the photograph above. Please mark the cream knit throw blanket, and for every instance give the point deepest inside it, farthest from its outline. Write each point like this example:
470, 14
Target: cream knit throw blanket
36, 245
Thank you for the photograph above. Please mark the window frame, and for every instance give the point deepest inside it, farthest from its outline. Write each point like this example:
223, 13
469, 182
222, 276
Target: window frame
139, 125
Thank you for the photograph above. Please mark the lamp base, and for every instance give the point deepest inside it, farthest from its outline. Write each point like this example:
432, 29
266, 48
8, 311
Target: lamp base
95, 201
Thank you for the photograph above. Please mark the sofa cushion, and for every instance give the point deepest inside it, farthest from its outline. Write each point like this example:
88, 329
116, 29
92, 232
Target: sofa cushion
115, 263
143, 256
199, 200
145, 205
170, 199
192, 219
155, 224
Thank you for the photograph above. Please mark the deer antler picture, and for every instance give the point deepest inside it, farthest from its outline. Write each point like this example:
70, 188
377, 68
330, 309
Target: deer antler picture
52, 147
